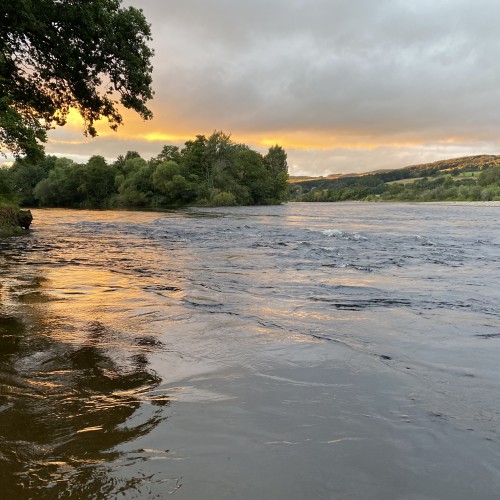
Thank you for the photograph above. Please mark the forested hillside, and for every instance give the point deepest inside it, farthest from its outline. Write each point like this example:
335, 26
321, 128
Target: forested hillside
474, 178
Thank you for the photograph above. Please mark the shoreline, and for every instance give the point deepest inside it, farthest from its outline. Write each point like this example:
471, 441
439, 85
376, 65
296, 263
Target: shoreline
13, 220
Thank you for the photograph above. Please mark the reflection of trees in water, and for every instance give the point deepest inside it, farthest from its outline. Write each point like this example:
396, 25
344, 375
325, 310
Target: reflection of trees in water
65, 408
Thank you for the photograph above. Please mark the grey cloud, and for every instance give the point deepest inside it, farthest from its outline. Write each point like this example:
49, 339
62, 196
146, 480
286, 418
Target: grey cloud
378, 72
387, 68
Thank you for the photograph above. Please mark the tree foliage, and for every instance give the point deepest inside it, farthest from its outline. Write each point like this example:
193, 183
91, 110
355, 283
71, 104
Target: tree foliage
210, 170
57, 55
464, 179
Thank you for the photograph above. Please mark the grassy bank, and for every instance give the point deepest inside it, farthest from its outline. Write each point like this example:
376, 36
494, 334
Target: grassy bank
13, 220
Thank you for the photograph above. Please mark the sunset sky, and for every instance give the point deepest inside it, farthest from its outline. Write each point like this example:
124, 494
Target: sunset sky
342, 85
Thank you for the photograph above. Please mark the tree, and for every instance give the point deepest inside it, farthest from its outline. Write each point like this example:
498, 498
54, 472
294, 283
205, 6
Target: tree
97, 181
60, 188
26, 175
256, 177
275, 161
6, 191
490, 176
192, 156
174, 187
58, 55
134, 184
218, 159
167, 153
164, 173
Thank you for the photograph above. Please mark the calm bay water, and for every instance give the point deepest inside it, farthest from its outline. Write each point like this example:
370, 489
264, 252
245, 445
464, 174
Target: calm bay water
329, 351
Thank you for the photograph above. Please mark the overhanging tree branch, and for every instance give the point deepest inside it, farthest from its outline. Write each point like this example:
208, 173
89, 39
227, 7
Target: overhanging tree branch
90, 55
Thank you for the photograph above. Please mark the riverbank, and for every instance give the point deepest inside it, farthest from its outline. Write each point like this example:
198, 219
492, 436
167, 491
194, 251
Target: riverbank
14, 221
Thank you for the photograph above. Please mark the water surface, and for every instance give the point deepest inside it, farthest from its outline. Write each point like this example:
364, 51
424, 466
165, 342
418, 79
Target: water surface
339, 351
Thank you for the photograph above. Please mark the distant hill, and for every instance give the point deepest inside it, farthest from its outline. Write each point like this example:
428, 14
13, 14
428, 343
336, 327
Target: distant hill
464, 164
467, 178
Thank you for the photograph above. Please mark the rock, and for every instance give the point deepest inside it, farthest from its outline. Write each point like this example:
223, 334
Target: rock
24, 218
12, 220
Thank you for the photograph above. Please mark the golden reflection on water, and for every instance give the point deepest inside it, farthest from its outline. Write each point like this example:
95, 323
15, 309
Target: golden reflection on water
74, 378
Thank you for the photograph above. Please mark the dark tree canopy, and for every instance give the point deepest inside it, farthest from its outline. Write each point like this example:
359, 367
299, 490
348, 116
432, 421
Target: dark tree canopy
208, 171
90, 55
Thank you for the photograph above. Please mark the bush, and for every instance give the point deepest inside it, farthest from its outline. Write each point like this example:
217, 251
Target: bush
222, 199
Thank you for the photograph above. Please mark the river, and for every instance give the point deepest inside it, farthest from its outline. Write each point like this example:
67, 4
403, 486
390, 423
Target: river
322, 351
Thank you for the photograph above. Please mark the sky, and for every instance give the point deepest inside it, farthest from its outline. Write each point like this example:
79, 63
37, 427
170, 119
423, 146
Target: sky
343, 85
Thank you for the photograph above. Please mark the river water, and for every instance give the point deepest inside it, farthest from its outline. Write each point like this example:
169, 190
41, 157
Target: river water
326, 351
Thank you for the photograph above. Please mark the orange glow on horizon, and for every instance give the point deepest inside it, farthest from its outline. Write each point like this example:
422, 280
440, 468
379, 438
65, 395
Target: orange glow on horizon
135, 129
164, 137
319, 140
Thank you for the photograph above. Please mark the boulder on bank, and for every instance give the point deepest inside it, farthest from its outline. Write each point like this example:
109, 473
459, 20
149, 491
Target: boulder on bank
24, 218
12, 218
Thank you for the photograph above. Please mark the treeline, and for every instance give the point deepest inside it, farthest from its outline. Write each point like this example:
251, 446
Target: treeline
213, 171
466, 179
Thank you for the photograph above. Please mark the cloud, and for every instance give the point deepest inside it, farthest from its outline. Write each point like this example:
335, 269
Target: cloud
329, 74
377, 68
